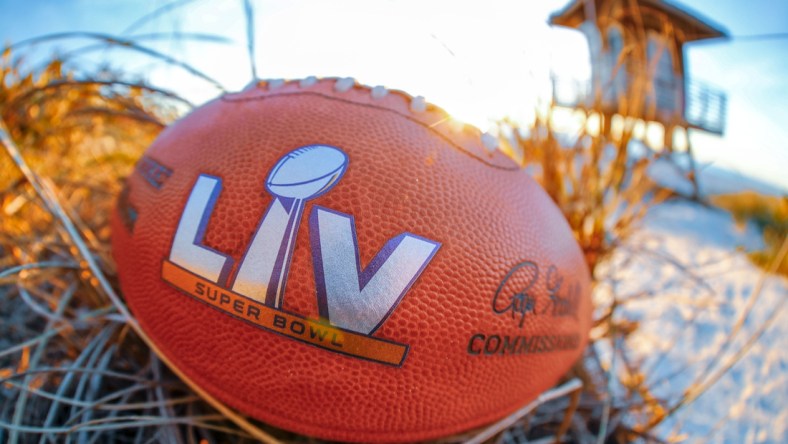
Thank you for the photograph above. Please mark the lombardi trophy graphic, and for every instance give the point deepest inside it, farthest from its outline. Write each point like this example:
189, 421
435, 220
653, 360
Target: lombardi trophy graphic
349, 296
301, 175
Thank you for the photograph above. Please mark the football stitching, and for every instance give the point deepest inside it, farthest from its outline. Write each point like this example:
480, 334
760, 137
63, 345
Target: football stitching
381, 108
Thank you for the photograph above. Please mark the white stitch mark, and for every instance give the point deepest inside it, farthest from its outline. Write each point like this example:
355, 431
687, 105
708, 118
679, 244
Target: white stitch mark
344, 85
307, 82
490, 142
379, 92
418, 104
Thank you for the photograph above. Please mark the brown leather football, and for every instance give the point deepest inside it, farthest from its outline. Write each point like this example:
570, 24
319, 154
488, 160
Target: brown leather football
348, 263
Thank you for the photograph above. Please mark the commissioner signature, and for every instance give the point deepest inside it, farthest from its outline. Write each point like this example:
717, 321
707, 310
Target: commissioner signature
519, 299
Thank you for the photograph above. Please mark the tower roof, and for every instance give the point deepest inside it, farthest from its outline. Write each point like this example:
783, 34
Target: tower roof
693, 25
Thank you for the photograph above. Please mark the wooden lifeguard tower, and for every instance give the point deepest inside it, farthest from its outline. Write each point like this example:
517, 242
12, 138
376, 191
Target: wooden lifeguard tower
638, 69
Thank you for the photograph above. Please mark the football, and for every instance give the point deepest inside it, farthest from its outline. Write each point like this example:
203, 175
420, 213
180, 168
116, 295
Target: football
349, 263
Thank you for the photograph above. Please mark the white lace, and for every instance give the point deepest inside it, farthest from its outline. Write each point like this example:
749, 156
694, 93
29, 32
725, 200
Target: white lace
418, 104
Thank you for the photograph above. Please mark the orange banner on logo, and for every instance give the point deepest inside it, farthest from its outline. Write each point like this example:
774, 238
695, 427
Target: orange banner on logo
311, 331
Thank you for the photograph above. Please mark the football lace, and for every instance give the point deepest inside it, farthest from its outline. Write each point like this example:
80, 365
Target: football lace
418, 104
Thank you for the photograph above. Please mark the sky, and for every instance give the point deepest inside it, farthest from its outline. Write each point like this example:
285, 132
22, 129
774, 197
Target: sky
478, 60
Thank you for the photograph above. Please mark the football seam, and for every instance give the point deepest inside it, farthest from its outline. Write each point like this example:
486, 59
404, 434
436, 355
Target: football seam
426, 126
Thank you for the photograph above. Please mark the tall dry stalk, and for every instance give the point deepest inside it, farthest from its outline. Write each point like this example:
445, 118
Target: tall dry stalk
600, 182
70, 368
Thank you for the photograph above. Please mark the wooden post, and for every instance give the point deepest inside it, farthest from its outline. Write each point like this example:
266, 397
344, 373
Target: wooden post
693, 170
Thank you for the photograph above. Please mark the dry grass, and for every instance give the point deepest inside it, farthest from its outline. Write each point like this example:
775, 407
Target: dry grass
769, 214
604, 192
72, 364
601, 189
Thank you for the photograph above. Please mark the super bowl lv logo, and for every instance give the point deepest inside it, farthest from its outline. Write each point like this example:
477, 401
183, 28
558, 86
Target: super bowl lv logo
353, 302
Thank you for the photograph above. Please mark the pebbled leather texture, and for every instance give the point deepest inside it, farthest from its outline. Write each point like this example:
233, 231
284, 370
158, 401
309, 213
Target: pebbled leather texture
407, 172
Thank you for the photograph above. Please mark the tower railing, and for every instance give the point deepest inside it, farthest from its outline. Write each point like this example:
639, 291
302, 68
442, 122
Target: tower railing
704, 106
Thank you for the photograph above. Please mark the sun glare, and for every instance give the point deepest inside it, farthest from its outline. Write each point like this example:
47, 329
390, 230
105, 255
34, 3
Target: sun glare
478, 67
